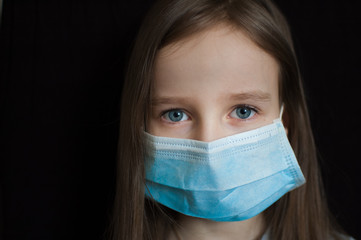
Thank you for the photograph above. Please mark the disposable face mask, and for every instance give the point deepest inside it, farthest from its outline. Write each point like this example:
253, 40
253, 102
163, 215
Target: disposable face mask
230, 179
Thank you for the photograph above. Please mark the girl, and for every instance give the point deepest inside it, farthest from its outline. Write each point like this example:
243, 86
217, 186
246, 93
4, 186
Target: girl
212, 95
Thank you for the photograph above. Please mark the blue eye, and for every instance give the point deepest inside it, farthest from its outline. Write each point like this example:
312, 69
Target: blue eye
175, 116
243, 112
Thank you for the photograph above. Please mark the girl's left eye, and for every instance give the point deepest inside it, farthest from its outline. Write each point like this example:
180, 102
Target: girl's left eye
175, 115
243, 112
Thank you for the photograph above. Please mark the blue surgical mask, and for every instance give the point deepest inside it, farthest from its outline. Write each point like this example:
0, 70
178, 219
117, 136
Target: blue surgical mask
230, 179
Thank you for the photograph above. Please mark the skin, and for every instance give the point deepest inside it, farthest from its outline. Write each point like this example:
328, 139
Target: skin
205, 79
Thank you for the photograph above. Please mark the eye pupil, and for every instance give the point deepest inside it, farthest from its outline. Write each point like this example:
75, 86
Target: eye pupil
175, 116
243, 112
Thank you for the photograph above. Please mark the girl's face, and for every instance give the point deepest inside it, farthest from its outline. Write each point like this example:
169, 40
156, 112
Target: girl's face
213, 84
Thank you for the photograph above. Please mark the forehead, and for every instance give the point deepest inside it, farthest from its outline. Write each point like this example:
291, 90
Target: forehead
218, 61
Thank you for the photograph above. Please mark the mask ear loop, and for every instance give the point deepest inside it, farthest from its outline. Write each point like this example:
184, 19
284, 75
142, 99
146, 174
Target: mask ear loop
281, 111
280, 117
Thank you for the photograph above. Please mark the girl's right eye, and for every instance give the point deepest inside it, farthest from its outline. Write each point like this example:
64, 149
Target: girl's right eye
175, 115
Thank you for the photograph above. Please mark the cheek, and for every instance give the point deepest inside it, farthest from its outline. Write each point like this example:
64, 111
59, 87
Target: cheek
157, 127
151, 126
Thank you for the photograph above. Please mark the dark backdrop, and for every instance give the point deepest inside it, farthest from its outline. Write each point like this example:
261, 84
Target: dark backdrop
60, 82
327, 37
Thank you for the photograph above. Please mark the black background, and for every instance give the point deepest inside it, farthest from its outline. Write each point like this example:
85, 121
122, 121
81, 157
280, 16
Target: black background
61, 74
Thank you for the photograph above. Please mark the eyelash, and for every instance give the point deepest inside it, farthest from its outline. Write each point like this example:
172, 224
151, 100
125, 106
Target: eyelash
252, 108
169, 110
162, 114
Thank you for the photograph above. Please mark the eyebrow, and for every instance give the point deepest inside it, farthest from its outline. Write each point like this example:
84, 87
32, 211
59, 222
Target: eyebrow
259, 96
168, 100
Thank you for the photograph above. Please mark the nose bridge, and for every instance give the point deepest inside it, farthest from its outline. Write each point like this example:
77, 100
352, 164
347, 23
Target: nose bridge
208, 128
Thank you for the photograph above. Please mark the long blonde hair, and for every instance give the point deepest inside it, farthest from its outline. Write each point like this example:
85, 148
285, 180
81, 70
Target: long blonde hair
301, 214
